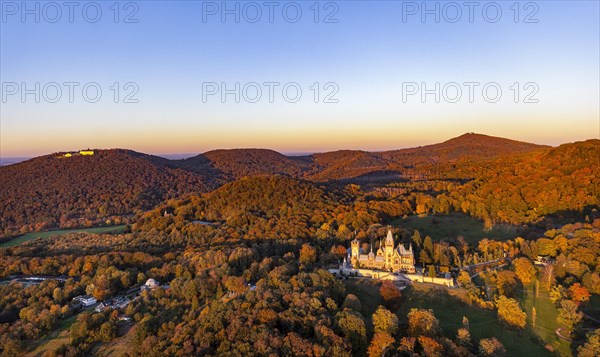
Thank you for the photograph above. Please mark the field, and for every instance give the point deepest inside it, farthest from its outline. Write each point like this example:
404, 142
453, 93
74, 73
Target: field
34, 235
61, 336
367, 290
546, 318
453, 225
449, 307
121, 346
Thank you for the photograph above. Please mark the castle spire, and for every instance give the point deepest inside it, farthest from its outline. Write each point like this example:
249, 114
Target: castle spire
389, 240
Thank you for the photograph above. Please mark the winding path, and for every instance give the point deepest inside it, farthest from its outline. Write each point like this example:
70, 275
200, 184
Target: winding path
558, 330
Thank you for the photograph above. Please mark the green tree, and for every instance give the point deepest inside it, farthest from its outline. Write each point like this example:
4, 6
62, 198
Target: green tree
464, 279
428, 246
108, 332
592, 347
416, 238
425, 258
431, 271
463, 338
385, 321
558, 293
352, 326
568, 314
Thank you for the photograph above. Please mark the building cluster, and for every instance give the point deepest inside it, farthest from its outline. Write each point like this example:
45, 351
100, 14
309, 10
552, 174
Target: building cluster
80, 153
389, 262
389, 257
85, 300
118, 302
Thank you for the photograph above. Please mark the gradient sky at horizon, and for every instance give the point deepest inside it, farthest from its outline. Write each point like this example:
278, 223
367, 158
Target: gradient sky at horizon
368, 53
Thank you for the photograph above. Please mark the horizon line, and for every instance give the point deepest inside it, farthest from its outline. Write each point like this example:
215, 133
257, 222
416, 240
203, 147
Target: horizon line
185, 155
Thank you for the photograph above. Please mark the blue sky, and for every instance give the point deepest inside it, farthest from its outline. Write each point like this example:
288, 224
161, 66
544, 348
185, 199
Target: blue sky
369, 56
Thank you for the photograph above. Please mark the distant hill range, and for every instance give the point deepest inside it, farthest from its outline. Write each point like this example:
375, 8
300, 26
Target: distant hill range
350, 164
5, 161
112, 185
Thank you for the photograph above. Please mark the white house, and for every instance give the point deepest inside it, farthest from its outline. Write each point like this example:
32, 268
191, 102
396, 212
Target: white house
150, 284
85, 300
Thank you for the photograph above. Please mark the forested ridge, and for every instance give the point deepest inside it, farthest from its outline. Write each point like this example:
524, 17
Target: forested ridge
56, 191
494, 179
522, 189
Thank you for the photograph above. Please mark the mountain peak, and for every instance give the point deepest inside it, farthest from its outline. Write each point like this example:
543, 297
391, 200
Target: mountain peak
494, 143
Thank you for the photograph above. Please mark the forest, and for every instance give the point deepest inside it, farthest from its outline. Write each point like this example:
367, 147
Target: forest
113, 186
246, 261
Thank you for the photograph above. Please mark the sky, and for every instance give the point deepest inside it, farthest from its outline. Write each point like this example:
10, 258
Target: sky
305, 76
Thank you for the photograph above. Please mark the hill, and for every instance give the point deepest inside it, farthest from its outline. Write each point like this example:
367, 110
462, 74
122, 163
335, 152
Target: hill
368, 166
467, 146
57, 191
233, 164
237, 163
523, 188
258, 207
113, 185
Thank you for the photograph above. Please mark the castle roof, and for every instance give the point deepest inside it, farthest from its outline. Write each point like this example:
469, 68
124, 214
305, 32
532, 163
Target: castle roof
403, 251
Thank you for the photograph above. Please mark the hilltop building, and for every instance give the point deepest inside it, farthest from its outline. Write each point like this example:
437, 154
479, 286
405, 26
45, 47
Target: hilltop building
390, 262
80, 153
388, 257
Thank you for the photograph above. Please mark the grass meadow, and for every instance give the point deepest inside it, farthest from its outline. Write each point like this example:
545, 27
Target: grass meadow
34, 235
449, 227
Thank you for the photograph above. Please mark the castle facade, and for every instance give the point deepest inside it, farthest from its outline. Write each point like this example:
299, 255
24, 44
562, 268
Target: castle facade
388, 257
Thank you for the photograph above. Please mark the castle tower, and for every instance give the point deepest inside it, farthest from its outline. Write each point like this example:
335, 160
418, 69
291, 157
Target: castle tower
389, 240
389, 248
355, 249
